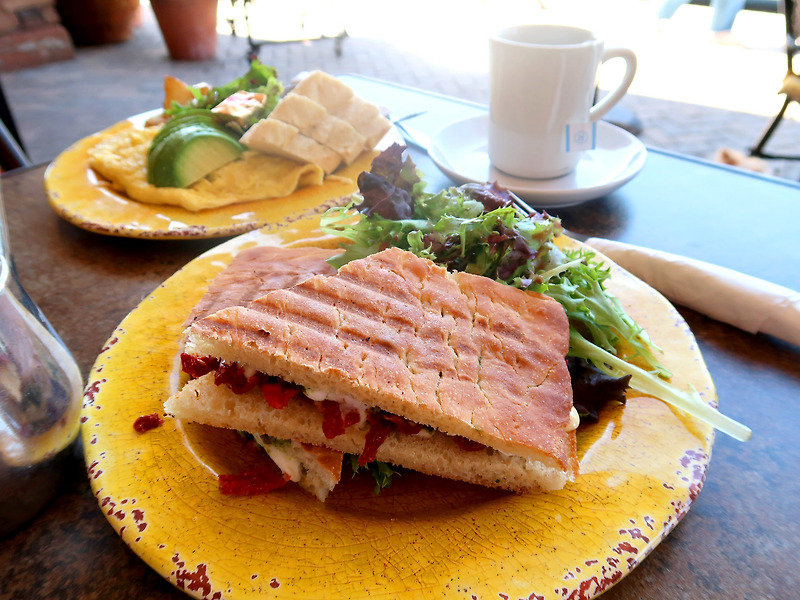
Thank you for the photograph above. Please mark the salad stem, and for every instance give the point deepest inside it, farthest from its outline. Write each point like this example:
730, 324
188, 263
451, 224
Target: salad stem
687, 401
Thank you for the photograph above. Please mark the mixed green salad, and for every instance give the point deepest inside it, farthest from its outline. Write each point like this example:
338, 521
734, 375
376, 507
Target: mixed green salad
476, 228
198, 138
258, 79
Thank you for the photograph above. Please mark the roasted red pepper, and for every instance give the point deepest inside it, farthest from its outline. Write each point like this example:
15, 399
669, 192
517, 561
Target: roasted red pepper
351, 417
147, 422
403, 425
197, 366
278, 394
251, 483
332, 420
232, 375
379, 430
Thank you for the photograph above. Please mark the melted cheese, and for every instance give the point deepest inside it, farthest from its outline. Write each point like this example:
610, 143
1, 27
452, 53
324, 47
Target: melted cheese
288, 455
574, 419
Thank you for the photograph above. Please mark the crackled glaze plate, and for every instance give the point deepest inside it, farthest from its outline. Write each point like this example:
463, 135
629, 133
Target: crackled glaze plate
79, 195
642, 465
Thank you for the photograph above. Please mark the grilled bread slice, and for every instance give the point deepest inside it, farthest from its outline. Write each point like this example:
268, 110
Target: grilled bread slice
313, 120
340, 101
321, 121
366, 118
326, 90
275, 137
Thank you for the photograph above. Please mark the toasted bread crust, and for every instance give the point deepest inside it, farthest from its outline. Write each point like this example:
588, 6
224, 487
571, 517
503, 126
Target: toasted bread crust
255, 271
464, 354
201, 401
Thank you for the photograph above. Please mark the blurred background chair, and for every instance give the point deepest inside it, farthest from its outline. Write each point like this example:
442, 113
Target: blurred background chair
791, 83
254, 9
12, 154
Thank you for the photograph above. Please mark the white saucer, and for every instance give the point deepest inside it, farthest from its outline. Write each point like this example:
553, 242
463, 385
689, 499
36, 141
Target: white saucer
461, 151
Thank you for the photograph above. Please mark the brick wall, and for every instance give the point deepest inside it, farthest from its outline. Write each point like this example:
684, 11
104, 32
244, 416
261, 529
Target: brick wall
31, 34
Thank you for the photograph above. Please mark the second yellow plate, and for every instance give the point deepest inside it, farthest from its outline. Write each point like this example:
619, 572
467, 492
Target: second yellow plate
77, 194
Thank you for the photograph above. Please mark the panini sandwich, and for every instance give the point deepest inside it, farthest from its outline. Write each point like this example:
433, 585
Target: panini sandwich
395, 359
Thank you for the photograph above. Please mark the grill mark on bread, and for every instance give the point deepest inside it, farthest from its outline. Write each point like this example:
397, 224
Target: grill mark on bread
354, 316
476, 377
255, 271
364, 326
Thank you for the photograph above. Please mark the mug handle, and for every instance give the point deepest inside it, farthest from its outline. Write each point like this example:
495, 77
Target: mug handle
602, 107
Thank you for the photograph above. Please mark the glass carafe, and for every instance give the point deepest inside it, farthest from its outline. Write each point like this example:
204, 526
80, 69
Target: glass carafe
40, 401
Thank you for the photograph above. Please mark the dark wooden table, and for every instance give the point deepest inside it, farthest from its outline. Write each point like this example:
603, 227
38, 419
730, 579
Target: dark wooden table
739, 540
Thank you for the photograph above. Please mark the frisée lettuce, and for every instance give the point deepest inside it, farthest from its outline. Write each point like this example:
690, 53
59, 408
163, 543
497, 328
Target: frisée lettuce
259, 78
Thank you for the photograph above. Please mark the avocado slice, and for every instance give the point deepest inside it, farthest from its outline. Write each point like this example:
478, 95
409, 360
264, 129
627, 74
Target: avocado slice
189, 153
187, 118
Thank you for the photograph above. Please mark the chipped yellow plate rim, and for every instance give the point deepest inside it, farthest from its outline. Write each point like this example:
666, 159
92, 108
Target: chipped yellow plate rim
79, 195
642, 465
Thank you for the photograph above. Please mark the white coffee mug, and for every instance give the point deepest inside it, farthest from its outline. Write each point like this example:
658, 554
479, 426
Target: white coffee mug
542, 86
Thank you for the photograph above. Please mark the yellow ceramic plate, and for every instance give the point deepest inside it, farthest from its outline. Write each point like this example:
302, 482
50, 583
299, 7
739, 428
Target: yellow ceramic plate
642, 466
80, 196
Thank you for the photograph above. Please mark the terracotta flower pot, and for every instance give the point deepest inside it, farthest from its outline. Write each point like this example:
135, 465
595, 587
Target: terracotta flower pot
189, 27
94, 22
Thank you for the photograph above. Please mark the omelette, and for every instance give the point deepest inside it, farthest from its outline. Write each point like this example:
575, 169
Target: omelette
121, 158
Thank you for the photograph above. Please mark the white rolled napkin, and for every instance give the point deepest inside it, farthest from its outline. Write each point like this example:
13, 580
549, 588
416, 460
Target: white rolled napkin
743, 301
